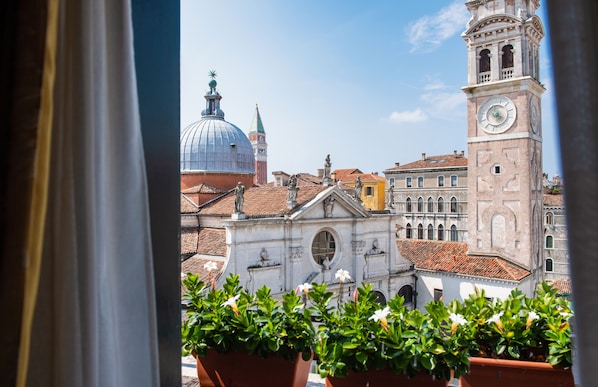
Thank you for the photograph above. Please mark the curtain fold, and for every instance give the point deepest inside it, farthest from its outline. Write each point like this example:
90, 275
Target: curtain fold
95, 316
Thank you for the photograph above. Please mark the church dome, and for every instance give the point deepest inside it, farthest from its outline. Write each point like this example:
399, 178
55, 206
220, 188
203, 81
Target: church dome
213, 144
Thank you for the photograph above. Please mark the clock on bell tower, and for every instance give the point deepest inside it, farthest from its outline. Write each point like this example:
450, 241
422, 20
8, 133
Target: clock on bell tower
504, 133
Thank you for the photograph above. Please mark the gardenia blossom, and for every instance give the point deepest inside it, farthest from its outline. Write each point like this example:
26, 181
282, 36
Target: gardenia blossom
380, 315
304, 288
342, 275
496, 319
457, 320
530, 318
209, 266
232, 302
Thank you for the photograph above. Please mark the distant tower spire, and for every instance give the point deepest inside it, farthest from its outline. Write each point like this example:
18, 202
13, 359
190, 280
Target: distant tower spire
257, 137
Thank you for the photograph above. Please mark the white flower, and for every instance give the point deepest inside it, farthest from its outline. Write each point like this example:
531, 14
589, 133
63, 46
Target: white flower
209, 266
495, 318
304, 288
299, 308
457, 319
380, 314
232, 302
183, 275
532, 316
342, 275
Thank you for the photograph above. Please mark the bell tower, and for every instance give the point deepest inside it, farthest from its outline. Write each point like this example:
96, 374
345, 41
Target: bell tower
257, 137
504, 131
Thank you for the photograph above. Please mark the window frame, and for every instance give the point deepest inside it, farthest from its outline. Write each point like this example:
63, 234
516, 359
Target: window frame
454, 233
454, 181
408, 182
454, 205
549, 262
420, 182
330, 239
440, 180
546, 244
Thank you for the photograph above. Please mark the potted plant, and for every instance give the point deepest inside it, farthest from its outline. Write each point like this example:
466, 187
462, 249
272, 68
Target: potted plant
518, 341
360, 342
232, 333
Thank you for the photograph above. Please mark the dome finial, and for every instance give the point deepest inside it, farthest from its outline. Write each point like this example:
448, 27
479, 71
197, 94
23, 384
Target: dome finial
212, 74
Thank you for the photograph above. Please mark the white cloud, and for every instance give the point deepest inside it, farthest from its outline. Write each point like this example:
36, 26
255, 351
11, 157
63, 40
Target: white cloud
435, 85
416, 115
429, 32
444, 105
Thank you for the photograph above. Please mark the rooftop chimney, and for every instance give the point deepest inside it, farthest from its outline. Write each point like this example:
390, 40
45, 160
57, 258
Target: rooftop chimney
423, 156
397, 164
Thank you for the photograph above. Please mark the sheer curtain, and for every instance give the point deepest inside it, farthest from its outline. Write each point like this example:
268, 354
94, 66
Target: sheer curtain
94, 322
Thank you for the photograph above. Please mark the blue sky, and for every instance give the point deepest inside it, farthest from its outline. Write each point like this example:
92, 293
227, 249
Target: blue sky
369, 82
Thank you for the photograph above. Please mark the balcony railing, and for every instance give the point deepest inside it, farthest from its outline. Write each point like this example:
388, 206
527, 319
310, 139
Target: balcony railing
484, 77
506, 73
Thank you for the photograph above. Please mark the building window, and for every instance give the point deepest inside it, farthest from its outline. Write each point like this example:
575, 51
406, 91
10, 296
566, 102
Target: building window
438, 295
408, 205
406, 292
507, 56
549, 242
484, 64
549, 218
408, 182
408, 233
454, 236
441, 181
420, 182
454, 180
380, 297
430, 205
391, 181
549, 265
430, 232
440, 232
369, 191
420, 204
323, 248
420, 231
454, 205
440, 205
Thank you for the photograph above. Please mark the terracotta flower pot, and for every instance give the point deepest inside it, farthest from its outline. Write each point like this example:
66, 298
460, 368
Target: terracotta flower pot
239, 369
485, 372
383, 378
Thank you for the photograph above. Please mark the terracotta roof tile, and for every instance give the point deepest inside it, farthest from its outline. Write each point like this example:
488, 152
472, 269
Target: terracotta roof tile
189, 239
442, 161
452, 257
554, 200
563, 286
204, 188
344, 174
187, 205
262, 201
195, 265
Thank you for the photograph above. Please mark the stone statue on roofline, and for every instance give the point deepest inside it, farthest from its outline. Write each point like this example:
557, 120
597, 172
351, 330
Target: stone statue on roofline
292, 192
358, 188
239, 192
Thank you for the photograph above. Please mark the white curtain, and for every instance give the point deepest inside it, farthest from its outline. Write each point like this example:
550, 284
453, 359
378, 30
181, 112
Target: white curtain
95, 318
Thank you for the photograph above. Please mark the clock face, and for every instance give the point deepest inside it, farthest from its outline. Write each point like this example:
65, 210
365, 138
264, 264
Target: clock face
497, 115
534, 114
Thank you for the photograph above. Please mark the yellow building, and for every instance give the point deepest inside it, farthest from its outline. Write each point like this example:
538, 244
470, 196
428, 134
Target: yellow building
372, 193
